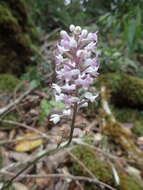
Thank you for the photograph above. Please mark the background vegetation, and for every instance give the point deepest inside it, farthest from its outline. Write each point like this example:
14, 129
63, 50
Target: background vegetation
28, 34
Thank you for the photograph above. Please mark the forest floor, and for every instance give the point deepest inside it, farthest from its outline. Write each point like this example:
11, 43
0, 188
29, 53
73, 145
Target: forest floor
104, 153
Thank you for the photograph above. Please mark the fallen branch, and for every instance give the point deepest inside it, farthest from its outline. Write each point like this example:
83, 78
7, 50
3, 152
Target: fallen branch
79, 178
31, 163
39, 157
25, 126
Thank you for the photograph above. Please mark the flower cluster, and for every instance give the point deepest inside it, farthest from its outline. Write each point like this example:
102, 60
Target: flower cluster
76, 67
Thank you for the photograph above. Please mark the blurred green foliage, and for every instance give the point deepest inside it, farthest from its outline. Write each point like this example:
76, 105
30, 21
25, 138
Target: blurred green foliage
119, 23
46, 108
60, 13
125, 21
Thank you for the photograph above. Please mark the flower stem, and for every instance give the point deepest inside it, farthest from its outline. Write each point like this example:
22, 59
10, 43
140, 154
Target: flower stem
9, 182
72, 123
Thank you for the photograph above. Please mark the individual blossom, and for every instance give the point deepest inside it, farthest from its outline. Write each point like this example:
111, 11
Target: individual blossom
76, 68
55, 118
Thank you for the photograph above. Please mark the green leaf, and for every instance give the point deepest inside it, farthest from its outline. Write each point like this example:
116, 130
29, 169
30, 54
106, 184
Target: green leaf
45, 106
45, 110
34, 84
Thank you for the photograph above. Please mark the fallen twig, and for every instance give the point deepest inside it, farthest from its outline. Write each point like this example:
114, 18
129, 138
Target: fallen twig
10, 105
39, 157
25, 126
79, 178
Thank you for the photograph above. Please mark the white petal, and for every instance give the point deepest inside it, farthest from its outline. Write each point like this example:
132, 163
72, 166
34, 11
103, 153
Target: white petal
55, 118
92, 70
57, 88
59, 97
67, 112
75, 72
74, 99
73, 43
84, 105
90, 96
69, 87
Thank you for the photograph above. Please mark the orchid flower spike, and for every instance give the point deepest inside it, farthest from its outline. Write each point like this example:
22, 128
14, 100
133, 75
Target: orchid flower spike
76, 68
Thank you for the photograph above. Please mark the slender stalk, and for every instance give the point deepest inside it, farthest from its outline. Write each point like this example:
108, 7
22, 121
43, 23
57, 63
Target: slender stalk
72, 123
9, 182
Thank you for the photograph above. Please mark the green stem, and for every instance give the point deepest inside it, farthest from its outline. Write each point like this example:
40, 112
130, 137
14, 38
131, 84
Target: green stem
9, 182
72, 123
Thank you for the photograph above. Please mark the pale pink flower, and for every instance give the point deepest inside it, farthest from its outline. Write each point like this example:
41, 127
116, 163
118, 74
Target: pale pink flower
76, 69
68, 87
91, 46
60, 97
64, 35
72, 43
59, 59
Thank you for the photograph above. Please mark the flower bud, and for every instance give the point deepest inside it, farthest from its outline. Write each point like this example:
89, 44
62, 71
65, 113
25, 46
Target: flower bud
84, 33
58, 139
64, 34
77, 30
80, 53
72, 27
89, 37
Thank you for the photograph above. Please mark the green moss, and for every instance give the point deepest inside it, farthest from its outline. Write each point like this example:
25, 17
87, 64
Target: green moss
138, 128
90, 159
8, 82
129, 183
125, 90
7, 20
101, 170
128, 115
11, 117
35, 34
16, 47
18, 9
24, 40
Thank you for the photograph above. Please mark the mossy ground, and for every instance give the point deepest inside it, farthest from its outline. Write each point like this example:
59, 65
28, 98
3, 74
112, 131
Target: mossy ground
125, 90
11, 117
128, 115
101, 169
90, 159
8, 82
129, 183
